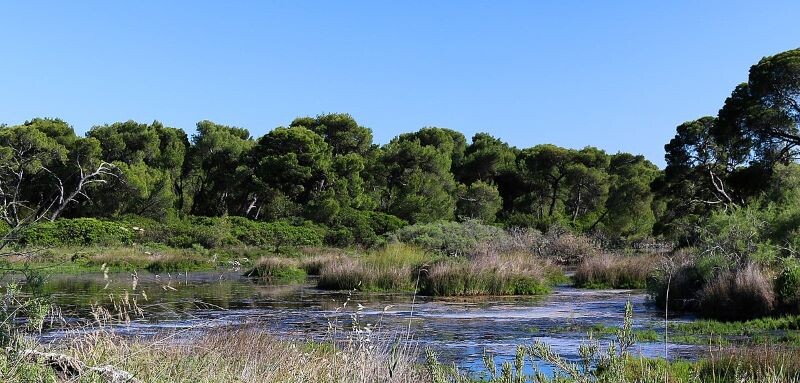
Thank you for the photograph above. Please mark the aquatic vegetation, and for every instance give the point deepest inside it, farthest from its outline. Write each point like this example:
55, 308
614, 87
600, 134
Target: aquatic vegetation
277, 270
163, 263
513, 274
614, 362
745, 293
356, 274
611, 271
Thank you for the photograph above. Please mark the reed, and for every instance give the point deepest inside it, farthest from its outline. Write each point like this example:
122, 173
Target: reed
277, 270
610, 271
509, 274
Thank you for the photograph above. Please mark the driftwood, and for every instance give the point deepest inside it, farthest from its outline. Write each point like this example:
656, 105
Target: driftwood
69, 368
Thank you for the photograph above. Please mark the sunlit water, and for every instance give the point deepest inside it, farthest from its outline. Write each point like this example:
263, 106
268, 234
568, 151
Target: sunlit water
458, 329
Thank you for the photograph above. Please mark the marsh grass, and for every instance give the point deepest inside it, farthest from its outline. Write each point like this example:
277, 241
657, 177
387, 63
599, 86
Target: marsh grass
612, 271
91, 351
742, 294
358, 274
163, 263
508, 274
391, 268
277, 270
230, 355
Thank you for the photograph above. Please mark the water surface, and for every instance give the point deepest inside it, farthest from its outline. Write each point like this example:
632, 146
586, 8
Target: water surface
458, 329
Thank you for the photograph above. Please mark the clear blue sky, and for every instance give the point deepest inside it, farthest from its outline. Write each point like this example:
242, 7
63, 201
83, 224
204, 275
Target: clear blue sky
619, 75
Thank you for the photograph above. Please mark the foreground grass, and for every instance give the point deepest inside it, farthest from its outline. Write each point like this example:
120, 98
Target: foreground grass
244, 355
251, 355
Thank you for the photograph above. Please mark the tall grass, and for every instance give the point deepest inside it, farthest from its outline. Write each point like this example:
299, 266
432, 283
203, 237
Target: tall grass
356, 274
277, 270
738, 295
225, 355
512, 274
615, 271
391, 268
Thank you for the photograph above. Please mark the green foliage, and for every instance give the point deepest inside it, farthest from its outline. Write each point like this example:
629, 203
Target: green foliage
449, 238
277, 271
787, 286
76, 232
479, 201
169, 263
280, 235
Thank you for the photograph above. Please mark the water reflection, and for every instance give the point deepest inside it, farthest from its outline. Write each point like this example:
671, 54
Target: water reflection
459, 329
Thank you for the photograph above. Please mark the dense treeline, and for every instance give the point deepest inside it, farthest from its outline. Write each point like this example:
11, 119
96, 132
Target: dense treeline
324, 169
327, 170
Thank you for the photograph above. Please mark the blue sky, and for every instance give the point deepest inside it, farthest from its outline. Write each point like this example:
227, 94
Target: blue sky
617, 75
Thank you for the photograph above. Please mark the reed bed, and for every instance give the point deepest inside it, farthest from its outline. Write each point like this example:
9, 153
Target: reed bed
356, 274
610, 271
510, 274
277, 270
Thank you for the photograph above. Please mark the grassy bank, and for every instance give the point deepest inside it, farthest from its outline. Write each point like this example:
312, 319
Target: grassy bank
153, 258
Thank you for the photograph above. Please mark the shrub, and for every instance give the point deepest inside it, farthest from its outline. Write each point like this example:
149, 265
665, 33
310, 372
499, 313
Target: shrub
449, 238
281, 234
76, 232
567, 248
277, 270
788, 286
361, 227
615, 271
738, 295
683, 284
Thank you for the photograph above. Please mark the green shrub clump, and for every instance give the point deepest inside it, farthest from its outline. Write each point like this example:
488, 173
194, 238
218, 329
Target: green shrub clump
788, 286
450, 238
76, 232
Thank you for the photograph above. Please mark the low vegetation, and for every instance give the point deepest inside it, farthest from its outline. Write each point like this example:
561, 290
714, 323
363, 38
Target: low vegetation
511, 274
277, 270
611, 271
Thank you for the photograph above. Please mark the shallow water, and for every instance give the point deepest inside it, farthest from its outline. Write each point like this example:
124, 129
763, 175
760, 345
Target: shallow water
458, 329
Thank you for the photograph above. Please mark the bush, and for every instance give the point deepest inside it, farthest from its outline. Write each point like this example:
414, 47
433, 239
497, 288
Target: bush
682, 287
76, 232
450, 238
567, 248
787, 286
218, 232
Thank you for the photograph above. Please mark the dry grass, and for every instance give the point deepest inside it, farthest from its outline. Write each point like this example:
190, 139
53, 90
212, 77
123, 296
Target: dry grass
738, 295
314, 264
356, 274
615, 271
235, 355
751, 363
509, 274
